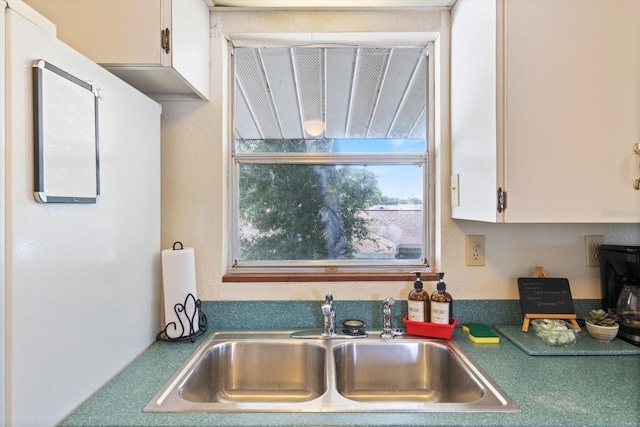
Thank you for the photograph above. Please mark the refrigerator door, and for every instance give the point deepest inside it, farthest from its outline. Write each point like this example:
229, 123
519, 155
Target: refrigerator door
82, 281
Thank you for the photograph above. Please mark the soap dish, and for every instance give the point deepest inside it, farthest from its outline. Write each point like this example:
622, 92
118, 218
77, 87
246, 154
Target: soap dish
431, 330
354, 327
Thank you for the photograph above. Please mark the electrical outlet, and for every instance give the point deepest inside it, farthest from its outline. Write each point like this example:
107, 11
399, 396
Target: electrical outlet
592, 244
474, 254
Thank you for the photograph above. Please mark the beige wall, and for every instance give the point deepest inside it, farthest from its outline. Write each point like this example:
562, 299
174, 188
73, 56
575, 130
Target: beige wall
194, 158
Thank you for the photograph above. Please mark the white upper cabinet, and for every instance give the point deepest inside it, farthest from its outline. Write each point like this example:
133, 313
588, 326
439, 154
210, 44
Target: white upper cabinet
545, 105
161, 47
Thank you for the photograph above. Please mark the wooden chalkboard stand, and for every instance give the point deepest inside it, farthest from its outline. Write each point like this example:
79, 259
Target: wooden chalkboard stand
539, 272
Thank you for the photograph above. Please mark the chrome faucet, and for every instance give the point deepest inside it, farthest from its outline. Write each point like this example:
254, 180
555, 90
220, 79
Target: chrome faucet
353, 327
329, 314
387, 328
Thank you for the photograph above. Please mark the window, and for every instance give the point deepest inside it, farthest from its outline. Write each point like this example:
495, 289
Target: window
331, 166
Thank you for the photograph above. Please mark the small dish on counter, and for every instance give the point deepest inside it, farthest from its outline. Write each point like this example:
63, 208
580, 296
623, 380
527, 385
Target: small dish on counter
555, 332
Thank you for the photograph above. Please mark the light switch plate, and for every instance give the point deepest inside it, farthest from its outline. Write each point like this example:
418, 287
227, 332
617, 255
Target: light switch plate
455, 190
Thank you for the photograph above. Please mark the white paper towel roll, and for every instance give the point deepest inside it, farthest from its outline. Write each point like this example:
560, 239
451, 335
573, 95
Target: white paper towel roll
179, 280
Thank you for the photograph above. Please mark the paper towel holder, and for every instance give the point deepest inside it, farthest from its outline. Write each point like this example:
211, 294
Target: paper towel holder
183, 311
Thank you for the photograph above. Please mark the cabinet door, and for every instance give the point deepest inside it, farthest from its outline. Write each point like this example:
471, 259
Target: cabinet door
572, 110
111, 32
125, 37
476, 138
550, 92
190, 42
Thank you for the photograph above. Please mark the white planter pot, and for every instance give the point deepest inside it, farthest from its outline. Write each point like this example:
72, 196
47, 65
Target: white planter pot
602, 333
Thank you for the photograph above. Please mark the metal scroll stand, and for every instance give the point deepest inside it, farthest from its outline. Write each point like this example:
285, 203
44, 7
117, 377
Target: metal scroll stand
186, 314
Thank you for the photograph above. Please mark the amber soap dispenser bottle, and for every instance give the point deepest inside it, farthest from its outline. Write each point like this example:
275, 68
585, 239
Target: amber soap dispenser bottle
418, 301
441, 304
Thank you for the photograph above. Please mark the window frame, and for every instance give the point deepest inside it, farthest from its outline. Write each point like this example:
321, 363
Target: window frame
330, 270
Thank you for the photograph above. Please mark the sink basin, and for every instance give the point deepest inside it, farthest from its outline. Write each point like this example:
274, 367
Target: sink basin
404, 372
257, 371
272, 372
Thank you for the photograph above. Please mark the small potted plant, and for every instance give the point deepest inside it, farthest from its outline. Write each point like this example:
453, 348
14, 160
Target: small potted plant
602, 325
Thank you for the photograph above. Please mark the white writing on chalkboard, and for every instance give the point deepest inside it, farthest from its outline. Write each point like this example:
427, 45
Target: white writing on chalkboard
545, 296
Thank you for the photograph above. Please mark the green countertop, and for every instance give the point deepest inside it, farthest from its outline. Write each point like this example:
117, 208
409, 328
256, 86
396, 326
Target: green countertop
556, 390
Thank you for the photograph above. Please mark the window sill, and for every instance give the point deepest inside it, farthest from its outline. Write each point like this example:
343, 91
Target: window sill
326, 277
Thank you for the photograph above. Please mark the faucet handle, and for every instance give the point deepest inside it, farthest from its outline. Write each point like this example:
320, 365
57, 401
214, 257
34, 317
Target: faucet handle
387, 329
327, 306
329, 316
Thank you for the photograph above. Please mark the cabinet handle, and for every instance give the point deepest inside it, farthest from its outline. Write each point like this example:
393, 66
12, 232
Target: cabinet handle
636, 184
166, 40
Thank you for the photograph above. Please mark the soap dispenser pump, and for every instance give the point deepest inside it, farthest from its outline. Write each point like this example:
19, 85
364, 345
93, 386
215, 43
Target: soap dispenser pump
441, 304
418, 301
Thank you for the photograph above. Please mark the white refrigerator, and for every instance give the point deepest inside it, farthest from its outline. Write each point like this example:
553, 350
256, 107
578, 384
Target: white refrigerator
80, 283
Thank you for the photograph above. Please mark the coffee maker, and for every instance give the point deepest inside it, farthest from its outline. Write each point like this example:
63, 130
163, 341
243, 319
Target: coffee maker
620, 281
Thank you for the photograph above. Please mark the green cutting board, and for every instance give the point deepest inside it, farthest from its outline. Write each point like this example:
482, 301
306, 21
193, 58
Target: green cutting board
585, 345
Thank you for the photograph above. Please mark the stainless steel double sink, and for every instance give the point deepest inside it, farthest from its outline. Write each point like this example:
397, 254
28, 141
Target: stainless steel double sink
271, 372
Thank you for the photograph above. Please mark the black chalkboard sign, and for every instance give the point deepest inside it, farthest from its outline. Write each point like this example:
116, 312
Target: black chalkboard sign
545, 296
